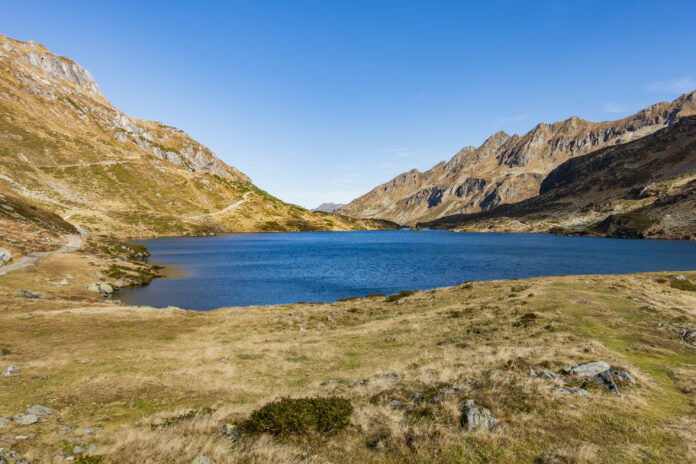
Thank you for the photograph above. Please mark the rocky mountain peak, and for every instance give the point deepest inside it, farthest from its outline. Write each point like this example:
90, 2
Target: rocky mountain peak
56, 69
506, 168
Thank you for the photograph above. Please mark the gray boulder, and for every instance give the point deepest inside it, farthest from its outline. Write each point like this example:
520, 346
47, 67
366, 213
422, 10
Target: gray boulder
589, 369
5, 256
476, 417
24, 293
570, 391
622, 376
11, 371
25, 419
396, 404
40, 411
690, 335
547, 375
4, 421
605, 380
202, 460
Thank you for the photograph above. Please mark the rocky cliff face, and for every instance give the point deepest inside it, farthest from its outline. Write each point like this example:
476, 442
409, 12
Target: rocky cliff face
65, 150
645, 188
506, 169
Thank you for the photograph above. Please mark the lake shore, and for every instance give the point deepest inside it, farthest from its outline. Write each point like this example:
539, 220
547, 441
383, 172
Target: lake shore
143, 384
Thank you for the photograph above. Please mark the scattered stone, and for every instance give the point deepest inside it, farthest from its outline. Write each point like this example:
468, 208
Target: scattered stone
476, 418
396, 404
40, 411
328, 382
11, 371
679, 277
329, 319
63, 429
389, 339
547, 375
531, 372
360, 382
100, 287
78, 450
5, 256
303, 330
88, 431
92, 449
202, 460
605, 380
401, 301
4, 421
589, 369
624, 377
25, 419
430, 371
689, 335
24, 293
230, 431
571, 390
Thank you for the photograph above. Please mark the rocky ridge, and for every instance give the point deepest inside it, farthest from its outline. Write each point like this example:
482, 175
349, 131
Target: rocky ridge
641, 189
506, 168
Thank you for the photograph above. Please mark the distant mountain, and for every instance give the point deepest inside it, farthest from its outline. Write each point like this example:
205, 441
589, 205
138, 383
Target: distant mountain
66, 151
645, 188
505, 168
328, 207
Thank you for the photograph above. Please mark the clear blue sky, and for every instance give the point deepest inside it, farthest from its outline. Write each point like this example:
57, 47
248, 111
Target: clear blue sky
323, 100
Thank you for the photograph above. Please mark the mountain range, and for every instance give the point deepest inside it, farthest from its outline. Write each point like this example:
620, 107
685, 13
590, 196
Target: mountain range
506, 169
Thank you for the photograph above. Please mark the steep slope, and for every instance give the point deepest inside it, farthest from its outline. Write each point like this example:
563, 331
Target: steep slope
641, 189
506, 169
65, 149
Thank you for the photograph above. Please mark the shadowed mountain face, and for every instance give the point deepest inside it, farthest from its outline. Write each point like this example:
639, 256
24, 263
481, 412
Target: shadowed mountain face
641, 189
506, 169
65, 149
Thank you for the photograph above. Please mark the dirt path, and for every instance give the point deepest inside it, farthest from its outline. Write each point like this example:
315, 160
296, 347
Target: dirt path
230, 207
73, 243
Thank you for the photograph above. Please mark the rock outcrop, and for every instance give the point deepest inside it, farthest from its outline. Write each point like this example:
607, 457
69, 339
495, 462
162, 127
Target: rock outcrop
506, 168
645, 188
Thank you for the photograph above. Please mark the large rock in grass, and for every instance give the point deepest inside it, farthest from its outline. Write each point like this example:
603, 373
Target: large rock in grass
476, 417
5, 256
589, 369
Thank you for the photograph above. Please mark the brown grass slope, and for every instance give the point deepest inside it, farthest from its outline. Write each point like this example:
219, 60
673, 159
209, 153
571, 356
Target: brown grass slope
64, 148
506, 169
158, 385
641, 189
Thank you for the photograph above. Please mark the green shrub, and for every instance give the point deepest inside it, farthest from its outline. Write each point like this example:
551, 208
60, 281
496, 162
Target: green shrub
88, 459
400, 295
683, 285
170, 421
300, 416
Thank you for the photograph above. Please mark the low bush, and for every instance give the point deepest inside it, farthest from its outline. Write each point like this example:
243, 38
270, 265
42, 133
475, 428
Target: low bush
400, 295
683, 285
298, 416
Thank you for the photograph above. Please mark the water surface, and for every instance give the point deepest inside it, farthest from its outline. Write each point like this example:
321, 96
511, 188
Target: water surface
276, 268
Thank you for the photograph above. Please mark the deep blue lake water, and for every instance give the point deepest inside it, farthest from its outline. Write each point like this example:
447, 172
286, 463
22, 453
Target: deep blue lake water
275, 268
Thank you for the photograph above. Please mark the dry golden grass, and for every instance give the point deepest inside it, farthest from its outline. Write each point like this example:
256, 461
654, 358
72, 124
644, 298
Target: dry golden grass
129, 369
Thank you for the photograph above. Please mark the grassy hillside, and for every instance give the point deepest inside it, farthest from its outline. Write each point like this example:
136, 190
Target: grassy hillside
145, 385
